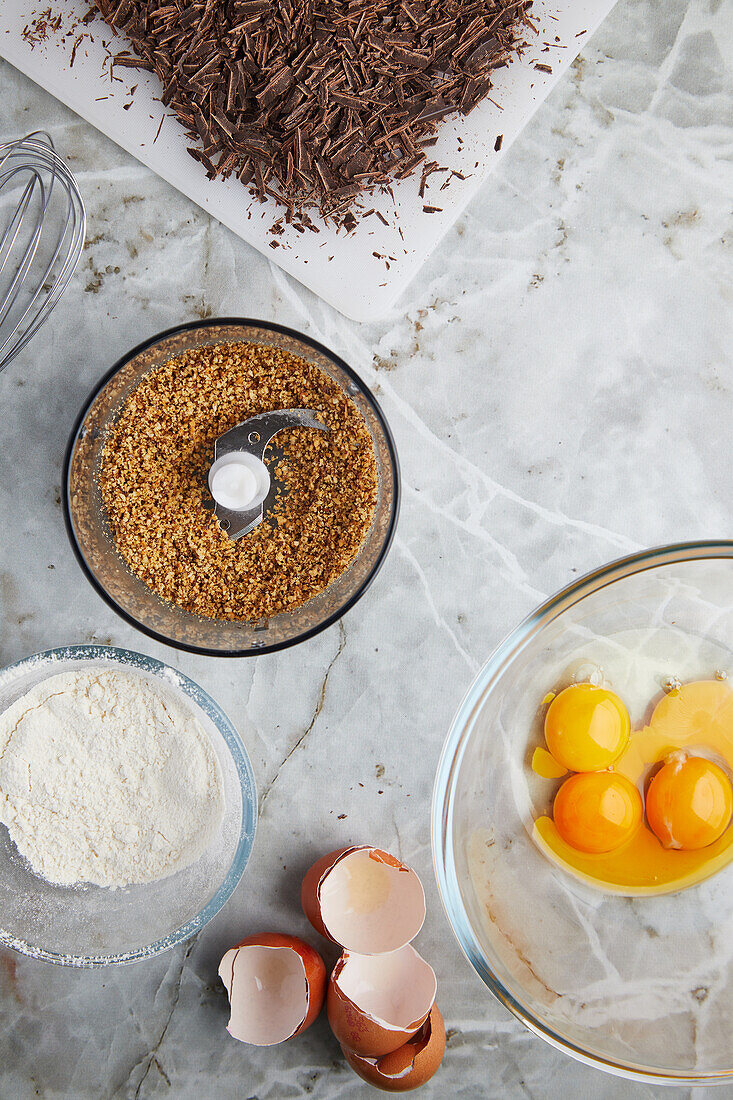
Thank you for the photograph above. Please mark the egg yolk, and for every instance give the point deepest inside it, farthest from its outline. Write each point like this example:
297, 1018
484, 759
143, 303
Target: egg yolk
597, 811
586, 728
689, 802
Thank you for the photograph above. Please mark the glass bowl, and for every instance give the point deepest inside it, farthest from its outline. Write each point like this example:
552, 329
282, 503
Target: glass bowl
638, 986
92, 926
91, 537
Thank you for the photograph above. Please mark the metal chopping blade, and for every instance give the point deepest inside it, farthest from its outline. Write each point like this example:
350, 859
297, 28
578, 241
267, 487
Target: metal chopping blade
253, 436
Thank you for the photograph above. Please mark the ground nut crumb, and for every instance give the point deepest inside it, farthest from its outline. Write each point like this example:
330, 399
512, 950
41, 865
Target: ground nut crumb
154, 483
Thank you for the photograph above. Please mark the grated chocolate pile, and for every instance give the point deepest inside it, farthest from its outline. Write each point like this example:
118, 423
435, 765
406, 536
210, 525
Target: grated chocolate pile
313, 102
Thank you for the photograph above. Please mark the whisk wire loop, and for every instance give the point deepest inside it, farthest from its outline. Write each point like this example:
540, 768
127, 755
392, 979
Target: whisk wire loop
42, 240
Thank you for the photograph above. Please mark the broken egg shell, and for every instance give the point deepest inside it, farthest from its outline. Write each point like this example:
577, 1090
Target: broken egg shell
375, 1003
411, 1065
364, 899
276, 986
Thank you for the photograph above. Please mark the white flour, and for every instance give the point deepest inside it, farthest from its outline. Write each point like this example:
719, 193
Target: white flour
106, 778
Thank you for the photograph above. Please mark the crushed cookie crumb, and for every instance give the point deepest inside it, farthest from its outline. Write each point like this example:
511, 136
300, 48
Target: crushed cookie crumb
154, 483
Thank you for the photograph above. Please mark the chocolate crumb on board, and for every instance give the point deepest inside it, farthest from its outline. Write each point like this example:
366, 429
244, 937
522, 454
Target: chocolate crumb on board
543, 68
498, 143
41, 27
154, 475
313, 105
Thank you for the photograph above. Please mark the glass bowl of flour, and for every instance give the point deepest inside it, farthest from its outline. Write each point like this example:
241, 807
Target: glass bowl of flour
127, 806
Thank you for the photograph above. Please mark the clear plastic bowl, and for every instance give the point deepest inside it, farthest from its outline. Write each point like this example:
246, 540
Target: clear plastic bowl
92, 926
91, 537
638, 986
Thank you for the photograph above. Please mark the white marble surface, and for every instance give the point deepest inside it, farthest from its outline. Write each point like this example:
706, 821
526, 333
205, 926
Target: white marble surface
558, 381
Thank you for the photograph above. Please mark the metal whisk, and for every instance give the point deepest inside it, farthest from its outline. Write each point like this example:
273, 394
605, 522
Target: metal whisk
42, 241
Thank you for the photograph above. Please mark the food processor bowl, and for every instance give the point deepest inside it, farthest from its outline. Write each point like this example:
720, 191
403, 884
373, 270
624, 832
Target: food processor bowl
92, 540
87, 925
639, 986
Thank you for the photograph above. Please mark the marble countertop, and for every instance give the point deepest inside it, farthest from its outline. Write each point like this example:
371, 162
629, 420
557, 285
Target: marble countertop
558, 382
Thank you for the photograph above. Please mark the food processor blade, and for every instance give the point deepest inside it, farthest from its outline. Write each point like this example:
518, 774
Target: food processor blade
251, 438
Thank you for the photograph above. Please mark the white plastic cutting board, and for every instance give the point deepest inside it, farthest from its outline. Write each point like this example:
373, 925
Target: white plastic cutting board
343, 270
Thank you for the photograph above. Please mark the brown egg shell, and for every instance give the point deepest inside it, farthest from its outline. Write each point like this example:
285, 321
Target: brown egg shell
409, 1067
368, 1033
314, 973
390, 909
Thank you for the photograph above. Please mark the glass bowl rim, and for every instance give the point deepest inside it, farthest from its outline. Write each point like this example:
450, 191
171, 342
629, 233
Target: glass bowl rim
365, 392
242, 763
449, 766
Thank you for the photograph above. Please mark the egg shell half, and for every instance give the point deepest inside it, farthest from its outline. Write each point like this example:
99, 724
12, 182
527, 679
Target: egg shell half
276, 986
364, 899
411, 1065
375, 1003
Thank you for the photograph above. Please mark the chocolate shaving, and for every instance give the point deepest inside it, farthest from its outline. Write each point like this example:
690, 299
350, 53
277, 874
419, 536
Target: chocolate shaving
43, 25
314, 102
